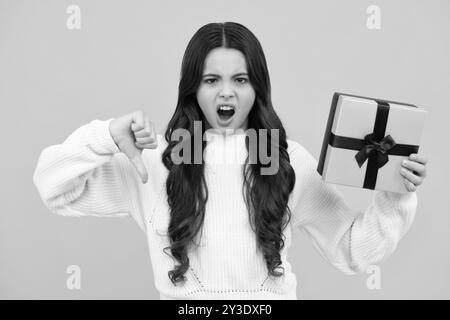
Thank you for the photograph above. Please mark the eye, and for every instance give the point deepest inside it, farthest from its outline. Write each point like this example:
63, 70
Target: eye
211, 79
244, 80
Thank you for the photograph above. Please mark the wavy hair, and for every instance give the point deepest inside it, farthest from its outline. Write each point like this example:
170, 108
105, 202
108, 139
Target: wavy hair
266, 196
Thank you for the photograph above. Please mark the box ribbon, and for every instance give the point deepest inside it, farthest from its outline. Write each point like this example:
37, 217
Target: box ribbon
375, 146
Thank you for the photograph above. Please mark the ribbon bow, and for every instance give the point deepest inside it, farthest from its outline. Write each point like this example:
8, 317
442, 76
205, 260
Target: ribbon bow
377, 149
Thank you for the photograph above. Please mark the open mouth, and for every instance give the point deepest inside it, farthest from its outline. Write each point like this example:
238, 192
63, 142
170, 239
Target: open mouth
225, 111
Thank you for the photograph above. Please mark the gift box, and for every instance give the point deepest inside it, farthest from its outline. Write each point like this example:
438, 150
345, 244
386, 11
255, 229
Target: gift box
367, 139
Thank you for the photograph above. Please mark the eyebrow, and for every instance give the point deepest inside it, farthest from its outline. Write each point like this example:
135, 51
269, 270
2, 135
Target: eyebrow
216, 75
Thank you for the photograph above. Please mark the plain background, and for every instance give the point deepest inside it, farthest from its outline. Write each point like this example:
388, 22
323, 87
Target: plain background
127, 55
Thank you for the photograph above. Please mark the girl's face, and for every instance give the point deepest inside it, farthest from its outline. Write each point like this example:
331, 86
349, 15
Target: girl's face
225, 82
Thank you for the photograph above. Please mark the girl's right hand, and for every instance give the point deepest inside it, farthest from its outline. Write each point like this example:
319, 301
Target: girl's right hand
132, 133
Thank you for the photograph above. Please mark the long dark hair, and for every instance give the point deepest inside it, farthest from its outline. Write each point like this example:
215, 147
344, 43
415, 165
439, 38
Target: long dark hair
266, 196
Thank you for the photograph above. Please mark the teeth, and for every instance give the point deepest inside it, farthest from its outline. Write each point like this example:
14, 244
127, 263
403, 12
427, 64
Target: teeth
226, 107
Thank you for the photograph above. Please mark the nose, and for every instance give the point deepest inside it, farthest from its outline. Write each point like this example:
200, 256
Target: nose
226, 95
226, 91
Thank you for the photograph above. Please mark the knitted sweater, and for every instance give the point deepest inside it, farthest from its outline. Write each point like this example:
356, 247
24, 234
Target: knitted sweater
87, 175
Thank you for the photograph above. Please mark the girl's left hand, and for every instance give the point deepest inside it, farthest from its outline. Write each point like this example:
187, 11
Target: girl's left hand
414, 171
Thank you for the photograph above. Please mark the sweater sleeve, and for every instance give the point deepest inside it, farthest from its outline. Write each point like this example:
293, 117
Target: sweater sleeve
87, 175
348, 239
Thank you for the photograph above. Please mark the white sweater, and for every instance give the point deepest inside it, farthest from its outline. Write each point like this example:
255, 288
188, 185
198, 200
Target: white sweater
87, 175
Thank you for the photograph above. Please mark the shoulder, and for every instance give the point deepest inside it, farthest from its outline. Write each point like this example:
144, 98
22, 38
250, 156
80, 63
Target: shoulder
297, 152
293, 146
304, 164
301, 160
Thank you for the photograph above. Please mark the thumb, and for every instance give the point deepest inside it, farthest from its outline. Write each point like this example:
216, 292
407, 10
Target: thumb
140, 167
134, 154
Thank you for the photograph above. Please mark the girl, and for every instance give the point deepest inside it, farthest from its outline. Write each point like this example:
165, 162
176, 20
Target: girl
215, 230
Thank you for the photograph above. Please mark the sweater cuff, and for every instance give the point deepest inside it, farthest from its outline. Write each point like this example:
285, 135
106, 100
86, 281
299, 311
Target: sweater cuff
100, 137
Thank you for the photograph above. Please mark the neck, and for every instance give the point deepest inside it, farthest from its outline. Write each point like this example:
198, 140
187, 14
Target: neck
225, 148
